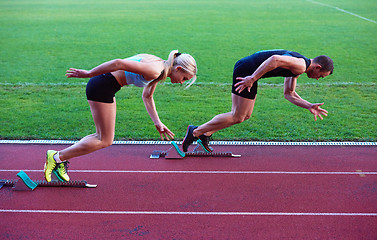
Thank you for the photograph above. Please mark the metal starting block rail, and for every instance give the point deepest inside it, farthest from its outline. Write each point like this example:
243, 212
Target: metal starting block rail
175, 153
26, 184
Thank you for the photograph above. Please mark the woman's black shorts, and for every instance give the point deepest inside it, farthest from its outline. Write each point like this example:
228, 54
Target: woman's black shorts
102, 88
243, 69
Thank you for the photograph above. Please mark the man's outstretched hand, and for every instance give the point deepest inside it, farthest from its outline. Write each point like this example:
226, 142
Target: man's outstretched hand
317, 111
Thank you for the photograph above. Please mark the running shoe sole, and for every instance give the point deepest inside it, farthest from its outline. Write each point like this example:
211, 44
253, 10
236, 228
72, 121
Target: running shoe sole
206, 148
50, 153
189, 137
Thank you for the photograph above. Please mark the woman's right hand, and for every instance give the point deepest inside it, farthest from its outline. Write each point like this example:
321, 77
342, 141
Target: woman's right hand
77, 73
164, 132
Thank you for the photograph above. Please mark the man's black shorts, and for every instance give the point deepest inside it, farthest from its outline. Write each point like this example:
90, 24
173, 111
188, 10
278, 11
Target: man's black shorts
243, 69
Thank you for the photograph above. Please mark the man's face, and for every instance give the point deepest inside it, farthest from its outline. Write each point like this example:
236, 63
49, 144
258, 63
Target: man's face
317, 73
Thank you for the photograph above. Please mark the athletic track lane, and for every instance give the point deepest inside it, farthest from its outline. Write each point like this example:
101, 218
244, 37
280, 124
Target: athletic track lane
271, 192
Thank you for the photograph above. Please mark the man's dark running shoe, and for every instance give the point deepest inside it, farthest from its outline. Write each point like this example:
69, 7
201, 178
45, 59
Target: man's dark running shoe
189, 138
205, 143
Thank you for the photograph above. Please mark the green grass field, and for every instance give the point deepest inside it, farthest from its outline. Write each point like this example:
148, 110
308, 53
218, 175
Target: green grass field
41, 39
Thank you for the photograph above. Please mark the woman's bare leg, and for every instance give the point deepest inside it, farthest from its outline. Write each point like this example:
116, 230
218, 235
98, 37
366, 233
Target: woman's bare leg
104, 115
242, 108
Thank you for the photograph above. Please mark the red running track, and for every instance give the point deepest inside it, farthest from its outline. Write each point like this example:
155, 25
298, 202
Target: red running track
271, 192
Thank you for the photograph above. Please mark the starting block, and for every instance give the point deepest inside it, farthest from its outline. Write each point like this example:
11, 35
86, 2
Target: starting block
175, 153
26, 184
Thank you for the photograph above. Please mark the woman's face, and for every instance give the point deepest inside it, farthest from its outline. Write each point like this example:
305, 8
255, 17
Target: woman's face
178, 75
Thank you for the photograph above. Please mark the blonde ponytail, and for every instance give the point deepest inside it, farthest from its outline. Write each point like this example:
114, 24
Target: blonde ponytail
186, 61
169, 64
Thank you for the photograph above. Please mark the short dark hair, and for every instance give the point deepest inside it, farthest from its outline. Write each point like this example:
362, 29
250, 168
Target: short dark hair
326, 62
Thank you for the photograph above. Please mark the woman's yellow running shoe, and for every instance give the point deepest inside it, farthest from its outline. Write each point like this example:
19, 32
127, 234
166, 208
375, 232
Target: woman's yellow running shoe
61, 170
50, 164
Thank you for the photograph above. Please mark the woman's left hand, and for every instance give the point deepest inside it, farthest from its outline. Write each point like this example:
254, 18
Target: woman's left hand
164, 131
77, 73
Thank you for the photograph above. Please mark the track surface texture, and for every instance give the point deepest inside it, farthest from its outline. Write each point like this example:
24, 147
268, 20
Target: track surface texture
271, 192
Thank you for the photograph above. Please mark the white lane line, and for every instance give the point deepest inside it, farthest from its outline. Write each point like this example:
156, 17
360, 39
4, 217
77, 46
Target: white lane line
187, 213
203, 172
42, 84
229, 143
342, 10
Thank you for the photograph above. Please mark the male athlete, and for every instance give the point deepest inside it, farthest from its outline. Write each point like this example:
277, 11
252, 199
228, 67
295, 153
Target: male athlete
247, 72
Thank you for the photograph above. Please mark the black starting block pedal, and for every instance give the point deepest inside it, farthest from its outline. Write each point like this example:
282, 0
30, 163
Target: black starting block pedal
175, 153
26, 184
